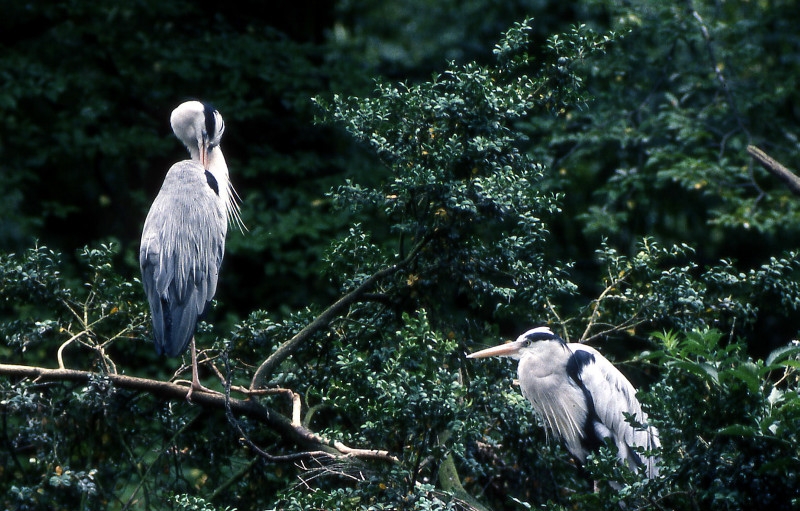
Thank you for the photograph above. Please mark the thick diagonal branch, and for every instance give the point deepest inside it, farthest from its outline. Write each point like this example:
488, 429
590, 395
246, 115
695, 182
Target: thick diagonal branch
251, 408
286, 349
787, 176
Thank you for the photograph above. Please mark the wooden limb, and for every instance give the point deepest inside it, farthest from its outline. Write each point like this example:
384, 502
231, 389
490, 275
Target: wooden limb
233, 479
252, 409
788, 177
451, 482
293, 396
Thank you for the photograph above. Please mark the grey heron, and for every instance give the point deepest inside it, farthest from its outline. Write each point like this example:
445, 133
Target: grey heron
183, 239
580, 396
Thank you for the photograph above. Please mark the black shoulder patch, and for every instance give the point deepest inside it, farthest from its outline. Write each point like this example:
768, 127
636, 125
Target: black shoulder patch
592, 438
211, 119
212, 182
577, 361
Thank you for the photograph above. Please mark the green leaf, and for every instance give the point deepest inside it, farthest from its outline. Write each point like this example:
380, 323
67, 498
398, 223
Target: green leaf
705, 371
739, 430
746, 372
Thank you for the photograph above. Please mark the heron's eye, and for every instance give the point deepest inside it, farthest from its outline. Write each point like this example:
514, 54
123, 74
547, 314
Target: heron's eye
526, 343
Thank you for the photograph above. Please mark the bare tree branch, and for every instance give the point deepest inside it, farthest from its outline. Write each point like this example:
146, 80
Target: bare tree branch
283, 426
614, 282
789, 178
286, 349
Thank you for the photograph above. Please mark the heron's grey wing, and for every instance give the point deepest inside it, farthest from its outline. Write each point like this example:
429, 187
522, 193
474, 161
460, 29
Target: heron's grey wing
149, 256
183, 241
613, 397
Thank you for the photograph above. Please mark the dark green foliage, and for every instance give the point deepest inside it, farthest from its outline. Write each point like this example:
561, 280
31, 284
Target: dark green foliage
730, 421
458, 181
84, 130
585, 171
679, 98
100, 314
661, 287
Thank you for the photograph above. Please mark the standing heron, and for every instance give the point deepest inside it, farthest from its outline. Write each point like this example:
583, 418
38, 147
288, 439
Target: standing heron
580, 396
183, 239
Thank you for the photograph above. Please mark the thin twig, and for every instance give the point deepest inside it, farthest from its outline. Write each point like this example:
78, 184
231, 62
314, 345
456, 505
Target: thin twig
286, 349
235, 477
553, 311
60, 352
596, 309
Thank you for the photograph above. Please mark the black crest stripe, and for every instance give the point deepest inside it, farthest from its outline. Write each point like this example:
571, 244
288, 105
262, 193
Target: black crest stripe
211, 120
543, 336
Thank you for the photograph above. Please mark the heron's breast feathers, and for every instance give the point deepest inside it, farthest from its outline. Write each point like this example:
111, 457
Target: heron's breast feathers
563, 409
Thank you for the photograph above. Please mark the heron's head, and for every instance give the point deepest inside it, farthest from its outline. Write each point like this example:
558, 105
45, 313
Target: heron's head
516, 349
199, 126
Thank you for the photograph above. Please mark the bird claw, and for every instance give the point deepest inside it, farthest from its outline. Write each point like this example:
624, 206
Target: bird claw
195, 378
194, 388
198, 387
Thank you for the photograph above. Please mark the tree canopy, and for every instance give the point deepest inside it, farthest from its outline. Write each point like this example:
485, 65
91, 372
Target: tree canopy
419, 180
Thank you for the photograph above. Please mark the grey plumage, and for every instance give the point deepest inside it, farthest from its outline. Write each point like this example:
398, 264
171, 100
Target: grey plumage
183, 242
183, 239
580, 396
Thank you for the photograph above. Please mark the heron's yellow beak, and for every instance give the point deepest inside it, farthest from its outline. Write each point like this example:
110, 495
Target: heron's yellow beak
502, 350
203, 143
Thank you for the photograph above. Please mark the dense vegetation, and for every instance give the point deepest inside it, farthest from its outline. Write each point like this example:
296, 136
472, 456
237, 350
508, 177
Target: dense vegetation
420, 180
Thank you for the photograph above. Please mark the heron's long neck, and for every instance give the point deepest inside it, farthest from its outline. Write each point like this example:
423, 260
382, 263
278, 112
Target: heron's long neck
194, 151
219, 169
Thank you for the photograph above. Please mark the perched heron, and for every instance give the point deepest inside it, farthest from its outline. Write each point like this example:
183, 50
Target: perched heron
580, 396
183, 239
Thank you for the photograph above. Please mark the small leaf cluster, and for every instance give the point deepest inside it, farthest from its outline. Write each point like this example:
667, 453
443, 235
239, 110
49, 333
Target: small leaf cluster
185, 502
729, 422
47, 308
414, 395
660, 287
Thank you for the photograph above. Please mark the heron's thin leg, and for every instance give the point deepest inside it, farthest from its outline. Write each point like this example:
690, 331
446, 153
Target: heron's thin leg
195, 378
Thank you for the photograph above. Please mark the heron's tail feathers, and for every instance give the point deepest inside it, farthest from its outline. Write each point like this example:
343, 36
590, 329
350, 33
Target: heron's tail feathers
646, 439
